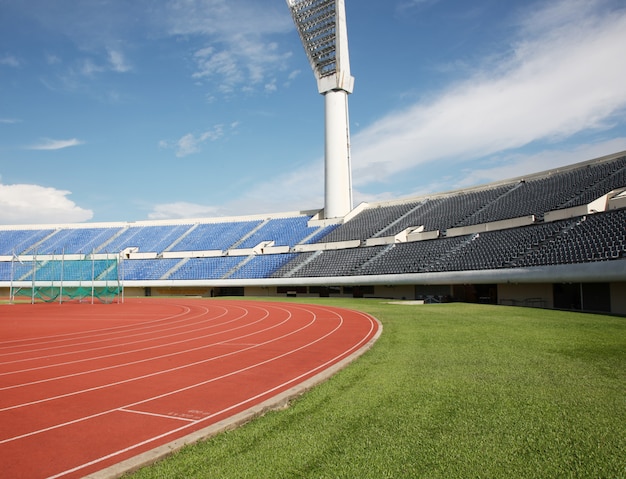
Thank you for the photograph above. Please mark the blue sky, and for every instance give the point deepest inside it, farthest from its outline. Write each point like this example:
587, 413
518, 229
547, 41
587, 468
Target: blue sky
122, 111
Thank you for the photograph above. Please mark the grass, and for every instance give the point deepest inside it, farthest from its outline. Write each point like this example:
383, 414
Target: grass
448, 391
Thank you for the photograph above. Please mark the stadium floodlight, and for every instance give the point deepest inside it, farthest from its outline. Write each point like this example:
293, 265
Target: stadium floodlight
321, 25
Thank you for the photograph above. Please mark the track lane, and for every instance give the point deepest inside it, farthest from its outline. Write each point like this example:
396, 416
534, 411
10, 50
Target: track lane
269, 349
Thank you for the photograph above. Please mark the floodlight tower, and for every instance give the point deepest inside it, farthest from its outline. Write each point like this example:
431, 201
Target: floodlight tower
322, 28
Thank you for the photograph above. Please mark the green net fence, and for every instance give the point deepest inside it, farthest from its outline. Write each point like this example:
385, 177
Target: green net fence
49, 279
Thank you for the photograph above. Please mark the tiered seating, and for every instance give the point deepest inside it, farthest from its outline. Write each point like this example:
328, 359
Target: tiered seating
611, 176
446, 212
283, 231
532, 197
19, 241
559, 190
369, 222
261, 266
599, 237
417, 257
207, 268
215, 236
5, 270
596, 237
20, 270
321, 234
288, 268
501, 249
147, 238
342, 262
74, 241
146, 269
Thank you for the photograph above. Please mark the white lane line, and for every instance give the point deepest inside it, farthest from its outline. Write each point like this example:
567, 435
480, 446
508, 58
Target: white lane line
145, 376
176, 391
109, 339
139, 361
93, 358
103, 331
230, 408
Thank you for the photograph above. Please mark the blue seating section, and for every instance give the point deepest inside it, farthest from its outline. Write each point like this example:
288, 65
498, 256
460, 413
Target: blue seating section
262, 266
20, 241
283, 231
147, 238
20, 270
74, 241
146, 269
215, 236
207, 268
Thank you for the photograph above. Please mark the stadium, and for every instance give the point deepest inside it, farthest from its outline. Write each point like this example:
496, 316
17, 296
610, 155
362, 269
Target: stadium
484, 368
555, 239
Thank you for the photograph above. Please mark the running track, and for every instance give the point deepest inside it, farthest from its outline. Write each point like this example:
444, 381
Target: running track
86, 387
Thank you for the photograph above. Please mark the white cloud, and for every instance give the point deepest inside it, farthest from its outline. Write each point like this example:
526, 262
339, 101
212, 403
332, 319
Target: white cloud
297, 190
238, 50
50, 144
34, 204
9, 121
118, 61
191, 143
293, 75
89, 68
516, 164
188, 145
10, 61
566, 75
52, 59
115, 61
300, 189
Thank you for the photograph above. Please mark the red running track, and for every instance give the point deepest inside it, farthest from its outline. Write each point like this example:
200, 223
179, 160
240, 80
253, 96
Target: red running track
84, 387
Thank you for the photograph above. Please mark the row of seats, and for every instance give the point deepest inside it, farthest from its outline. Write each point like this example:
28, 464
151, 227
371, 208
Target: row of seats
20, 241
157, 239
597, 237
534, 196
232, 267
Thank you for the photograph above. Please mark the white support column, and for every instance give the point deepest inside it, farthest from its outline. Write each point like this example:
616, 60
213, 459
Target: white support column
338, 176
322, 28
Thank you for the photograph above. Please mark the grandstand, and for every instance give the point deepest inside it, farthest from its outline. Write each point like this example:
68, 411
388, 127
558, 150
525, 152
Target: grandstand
555, 239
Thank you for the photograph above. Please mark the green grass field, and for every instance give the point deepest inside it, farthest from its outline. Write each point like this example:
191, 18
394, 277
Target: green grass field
448, 391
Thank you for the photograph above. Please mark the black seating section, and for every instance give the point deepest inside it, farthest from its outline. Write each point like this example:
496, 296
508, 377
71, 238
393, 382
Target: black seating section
368, 223
536, 196
598, 237
342, 262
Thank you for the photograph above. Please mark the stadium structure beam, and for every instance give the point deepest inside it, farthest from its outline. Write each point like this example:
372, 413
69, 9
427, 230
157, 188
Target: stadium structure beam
321, 25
